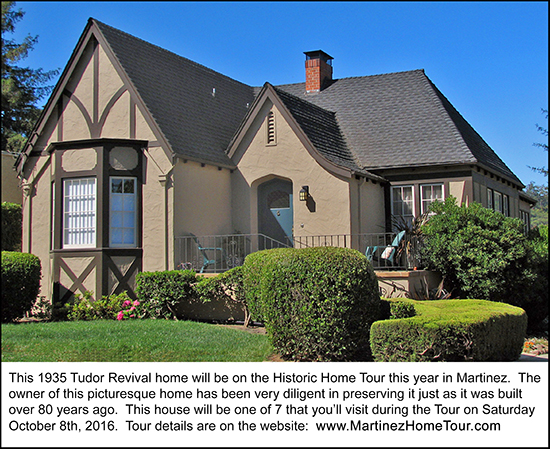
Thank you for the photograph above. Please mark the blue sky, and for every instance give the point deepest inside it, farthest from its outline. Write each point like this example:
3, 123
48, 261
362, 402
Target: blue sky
490, 59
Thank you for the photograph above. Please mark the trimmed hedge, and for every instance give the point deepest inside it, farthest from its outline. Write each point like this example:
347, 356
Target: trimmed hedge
21, 273
317, 304
450, 330
12, 221
161, 291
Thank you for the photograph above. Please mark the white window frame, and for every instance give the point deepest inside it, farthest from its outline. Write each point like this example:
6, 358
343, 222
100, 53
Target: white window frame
407, 217
124, 227
79, 212
426, 202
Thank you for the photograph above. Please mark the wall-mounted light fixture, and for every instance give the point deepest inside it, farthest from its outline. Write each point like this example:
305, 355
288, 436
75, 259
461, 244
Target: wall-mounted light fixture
304, 193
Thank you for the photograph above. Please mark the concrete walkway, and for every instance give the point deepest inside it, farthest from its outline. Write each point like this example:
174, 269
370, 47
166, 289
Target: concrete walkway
533, 358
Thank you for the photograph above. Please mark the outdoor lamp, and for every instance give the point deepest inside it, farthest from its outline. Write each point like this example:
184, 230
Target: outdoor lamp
304, 193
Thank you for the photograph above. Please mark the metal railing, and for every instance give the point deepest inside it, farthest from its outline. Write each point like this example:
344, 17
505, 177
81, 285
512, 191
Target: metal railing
218, 253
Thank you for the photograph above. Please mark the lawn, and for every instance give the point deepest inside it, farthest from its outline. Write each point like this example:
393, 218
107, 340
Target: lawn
131, 341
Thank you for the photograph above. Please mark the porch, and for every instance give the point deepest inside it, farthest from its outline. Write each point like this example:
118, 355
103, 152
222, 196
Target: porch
218, 253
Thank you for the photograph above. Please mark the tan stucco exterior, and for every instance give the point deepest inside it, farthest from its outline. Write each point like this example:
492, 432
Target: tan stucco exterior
342, 205
11, 192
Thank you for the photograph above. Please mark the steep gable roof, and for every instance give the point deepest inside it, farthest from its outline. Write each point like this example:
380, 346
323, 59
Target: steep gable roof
196, 108
401, 120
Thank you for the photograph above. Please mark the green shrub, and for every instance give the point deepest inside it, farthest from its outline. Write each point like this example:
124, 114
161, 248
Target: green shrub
160, 291
450, 330
317, 303
401, 309
12, 219
535, 295
84, 308
21, 273
481, 253
226, 287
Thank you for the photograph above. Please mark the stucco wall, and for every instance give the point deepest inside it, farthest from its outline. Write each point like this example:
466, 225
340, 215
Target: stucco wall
288, 159
10, 183
202, 199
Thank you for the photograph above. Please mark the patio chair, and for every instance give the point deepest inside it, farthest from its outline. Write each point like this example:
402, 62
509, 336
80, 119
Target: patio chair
370, 252
390, 251
206, 252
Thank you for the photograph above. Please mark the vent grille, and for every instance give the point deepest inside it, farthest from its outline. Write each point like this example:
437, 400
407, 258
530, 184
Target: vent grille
271, 138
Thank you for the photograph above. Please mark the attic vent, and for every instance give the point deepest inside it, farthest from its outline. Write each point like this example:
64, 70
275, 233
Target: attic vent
271, 137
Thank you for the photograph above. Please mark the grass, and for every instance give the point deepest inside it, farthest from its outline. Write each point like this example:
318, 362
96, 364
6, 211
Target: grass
130, 341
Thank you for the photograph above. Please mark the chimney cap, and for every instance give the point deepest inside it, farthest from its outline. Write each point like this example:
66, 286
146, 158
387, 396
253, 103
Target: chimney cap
318, 54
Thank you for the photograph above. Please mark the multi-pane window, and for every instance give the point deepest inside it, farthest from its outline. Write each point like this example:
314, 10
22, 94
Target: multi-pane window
403, 202
123, 212
79, 213
498, 201
428, 194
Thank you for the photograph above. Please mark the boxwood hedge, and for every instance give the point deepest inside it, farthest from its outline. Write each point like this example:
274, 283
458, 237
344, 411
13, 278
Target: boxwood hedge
449, 330
21, 273
317, 304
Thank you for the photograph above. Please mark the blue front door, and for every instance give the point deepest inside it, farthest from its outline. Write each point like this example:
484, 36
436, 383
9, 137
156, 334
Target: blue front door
276, 217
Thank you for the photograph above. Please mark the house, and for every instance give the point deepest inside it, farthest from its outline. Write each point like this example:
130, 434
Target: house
139, 151
11, 192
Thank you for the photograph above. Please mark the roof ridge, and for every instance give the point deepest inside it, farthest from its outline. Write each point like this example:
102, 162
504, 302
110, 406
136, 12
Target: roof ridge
358, 77
158, 47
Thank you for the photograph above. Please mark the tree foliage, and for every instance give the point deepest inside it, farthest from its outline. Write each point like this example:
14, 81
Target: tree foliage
484, 255
481, 253
22, 87
539, 213
544, 146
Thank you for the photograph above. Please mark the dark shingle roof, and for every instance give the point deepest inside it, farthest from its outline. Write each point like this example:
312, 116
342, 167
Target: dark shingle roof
400, 120
179, 95
322, 129
362, 123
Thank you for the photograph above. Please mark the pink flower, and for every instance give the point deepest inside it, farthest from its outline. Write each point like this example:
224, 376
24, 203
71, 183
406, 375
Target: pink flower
132, 308
136, 303
126, 303
120, 315
132, 315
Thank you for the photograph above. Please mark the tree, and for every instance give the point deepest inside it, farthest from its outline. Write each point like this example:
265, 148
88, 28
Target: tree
544, 146
22, 87
539, 214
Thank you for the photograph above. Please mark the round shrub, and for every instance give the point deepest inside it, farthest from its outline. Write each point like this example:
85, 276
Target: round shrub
12, 220
21, 273
317, 304
159, 292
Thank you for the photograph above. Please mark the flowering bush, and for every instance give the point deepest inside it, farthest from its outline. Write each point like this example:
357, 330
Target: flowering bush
131, 310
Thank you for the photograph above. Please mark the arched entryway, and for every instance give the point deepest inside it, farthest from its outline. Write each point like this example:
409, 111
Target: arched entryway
275, 211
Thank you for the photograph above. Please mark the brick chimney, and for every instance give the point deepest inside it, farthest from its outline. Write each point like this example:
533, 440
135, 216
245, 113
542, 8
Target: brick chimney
318, 70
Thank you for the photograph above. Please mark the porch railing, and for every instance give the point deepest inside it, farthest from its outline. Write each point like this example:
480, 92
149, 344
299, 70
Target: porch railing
218, 253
